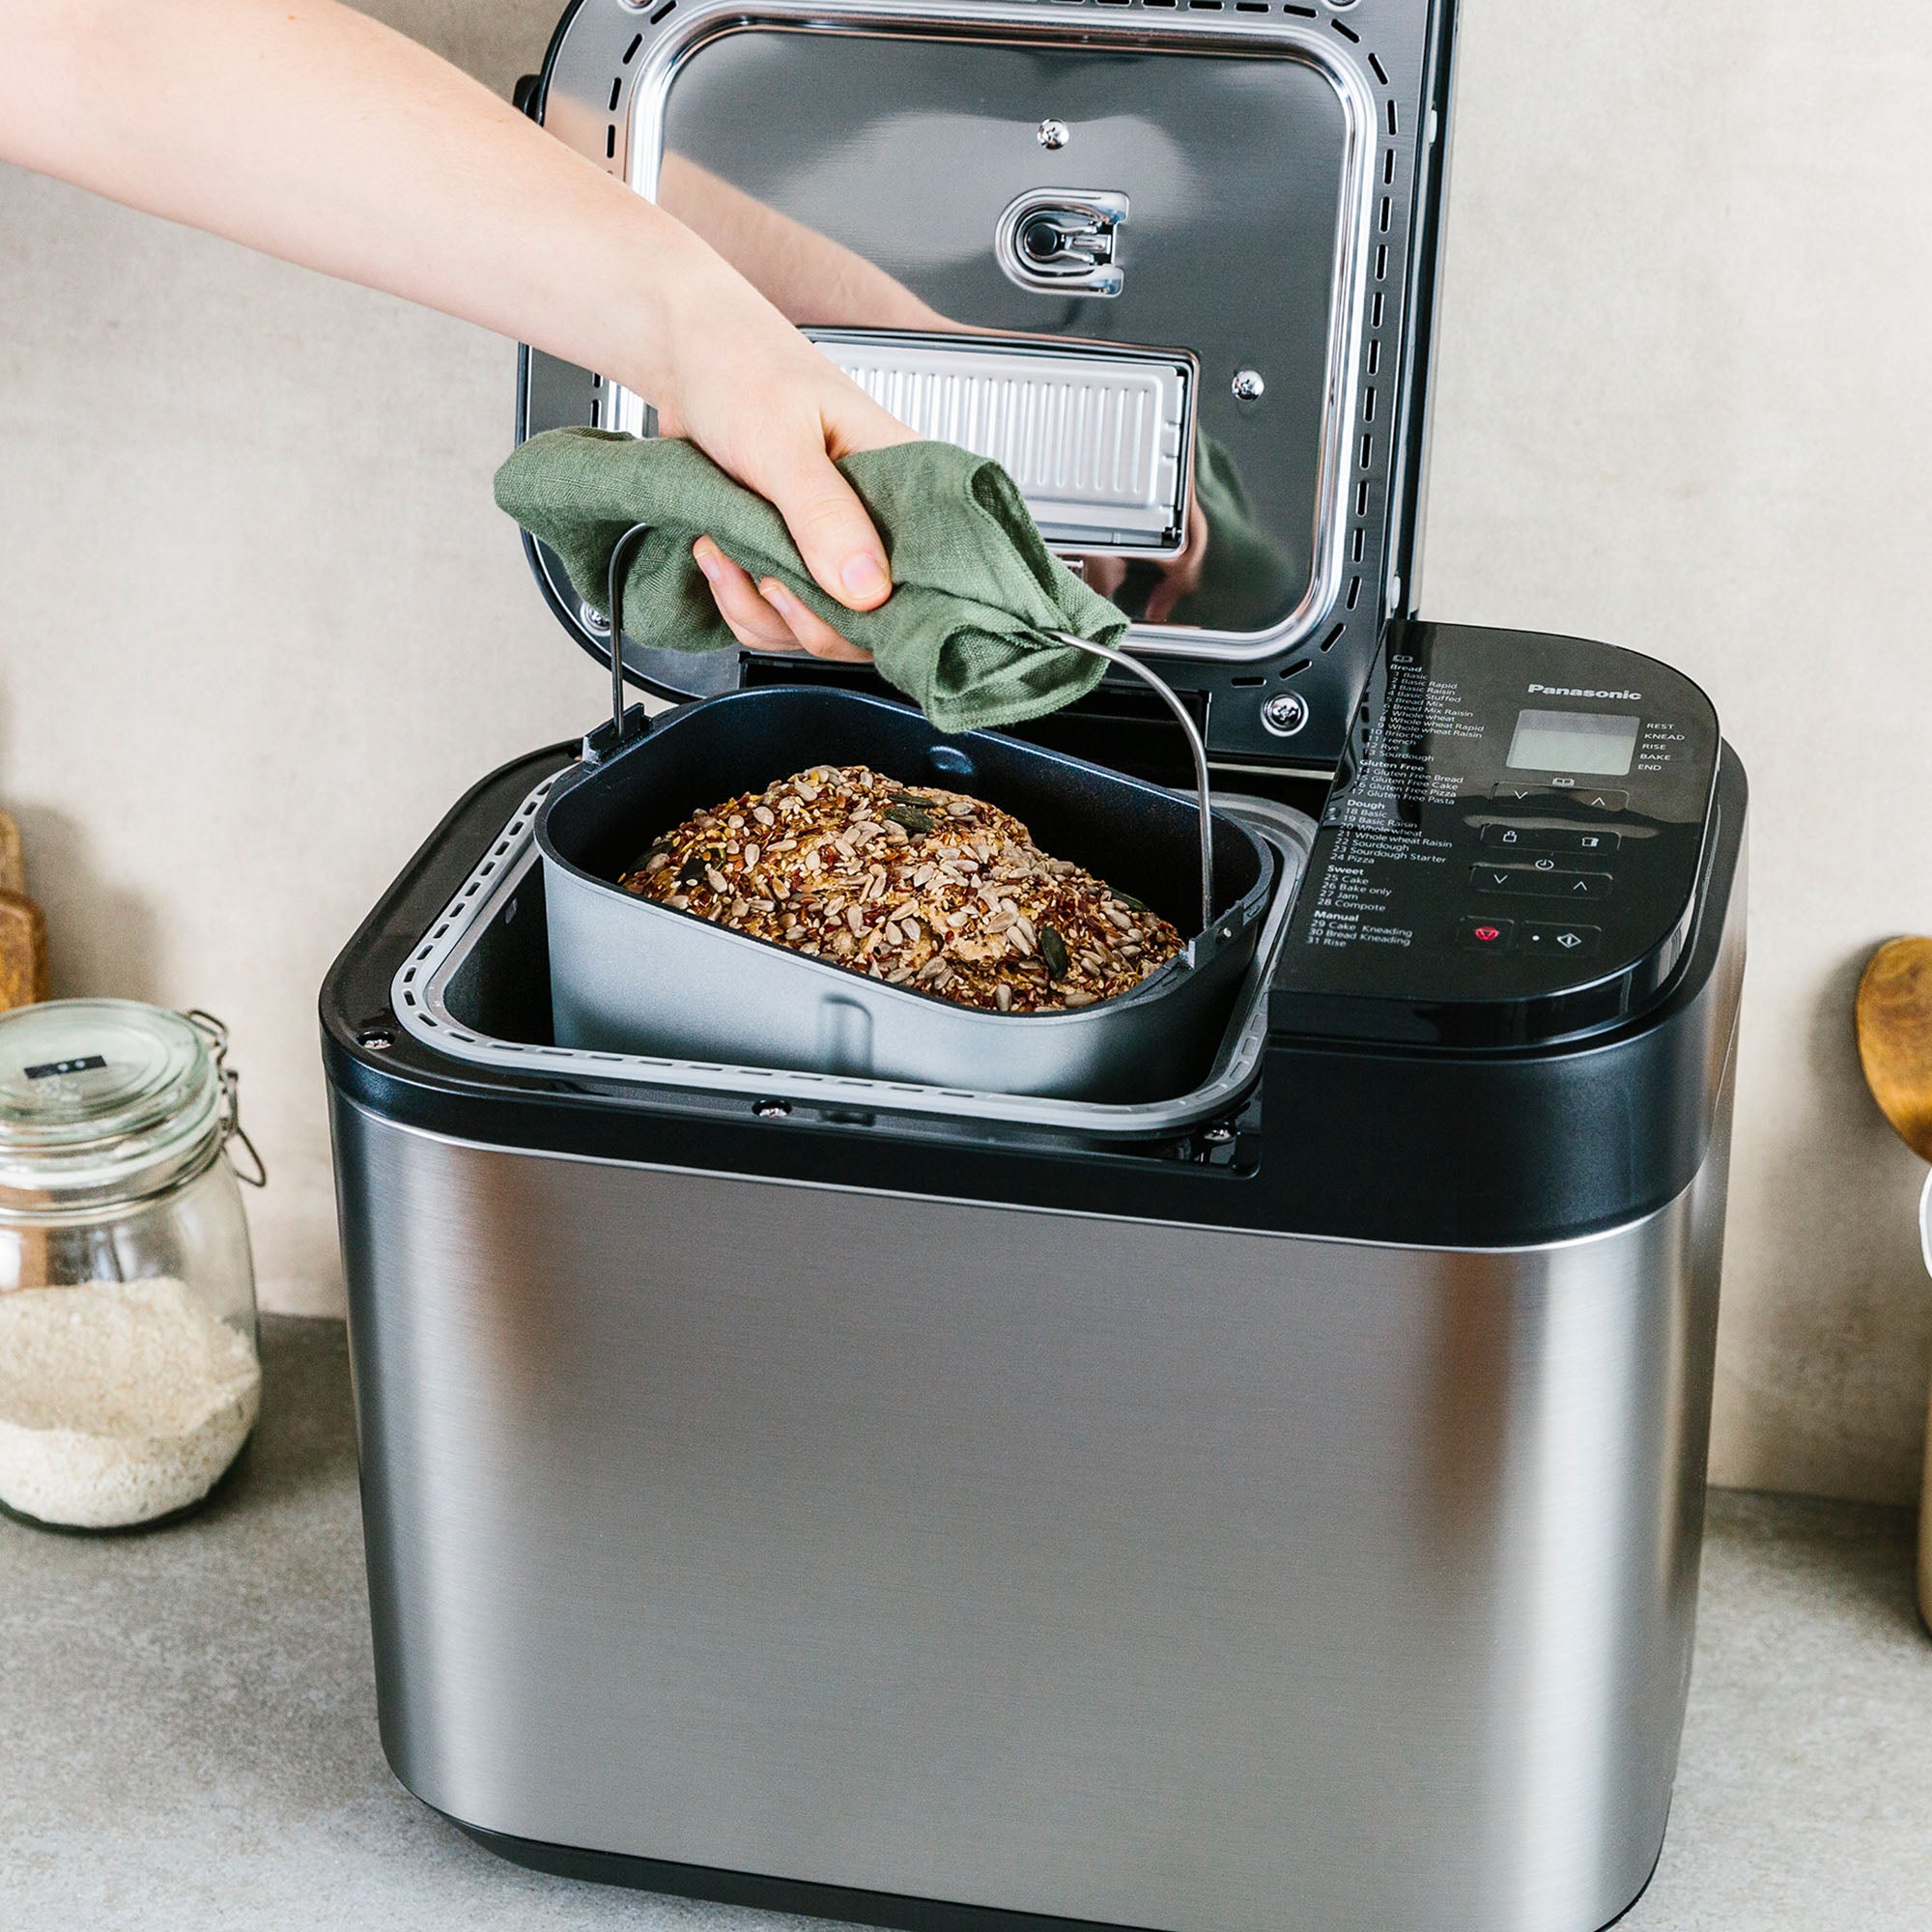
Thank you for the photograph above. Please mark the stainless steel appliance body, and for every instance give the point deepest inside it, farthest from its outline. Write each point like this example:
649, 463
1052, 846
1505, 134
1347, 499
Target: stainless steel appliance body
1089, 1566
1274, 1506
1290, 1517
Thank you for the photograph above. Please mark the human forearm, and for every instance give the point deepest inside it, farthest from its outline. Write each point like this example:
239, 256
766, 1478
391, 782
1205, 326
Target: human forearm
309, 132
810, 277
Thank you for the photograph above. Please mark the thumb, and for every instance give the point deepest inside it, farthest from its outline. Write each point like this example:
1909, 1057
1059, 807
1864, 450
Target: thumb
830, 525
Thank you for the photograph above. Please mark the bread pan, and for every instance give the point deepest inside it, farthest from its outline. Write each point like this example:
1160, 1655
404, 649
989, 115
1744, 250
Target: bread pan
630, 975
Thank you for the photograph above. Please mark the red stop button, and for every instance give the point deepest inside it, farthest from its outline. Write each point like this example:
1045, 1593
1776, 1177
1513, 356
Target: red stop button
1480, 933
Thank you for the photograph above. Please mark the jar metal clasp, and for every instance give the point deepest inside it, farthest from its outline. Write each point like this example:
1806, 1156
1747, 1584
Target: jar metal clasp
216, 1033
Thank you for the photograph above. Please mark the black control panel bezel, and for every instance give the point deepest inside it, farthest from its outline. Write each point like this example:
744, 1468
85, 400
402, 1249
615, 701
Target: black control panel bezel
1456, 901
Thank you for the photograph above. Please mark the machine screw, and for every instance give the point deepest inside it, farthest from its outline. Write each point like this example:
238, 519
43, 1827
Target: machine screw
376, 1039
1052, 133
1217, 1135
771, 1109
593, 620
1285, 713
1248, 386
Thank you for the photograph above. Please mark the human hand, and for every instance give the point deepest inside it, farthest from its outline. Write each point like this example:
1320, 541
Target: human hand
774, 411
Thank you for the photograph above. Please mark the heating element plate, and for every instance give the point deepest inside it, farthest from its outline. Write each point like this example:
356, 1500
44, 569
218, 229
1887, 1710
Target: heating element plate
1093, 434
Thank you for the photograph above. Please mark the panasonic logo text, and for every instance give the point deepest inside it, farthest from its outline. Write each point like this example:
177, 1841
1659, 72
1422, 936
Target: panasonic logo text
1576, 691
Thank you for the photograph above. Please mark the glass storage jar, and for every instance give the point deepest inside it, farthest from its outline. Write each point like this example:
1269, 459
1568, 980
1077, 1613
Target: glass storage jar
128, 1374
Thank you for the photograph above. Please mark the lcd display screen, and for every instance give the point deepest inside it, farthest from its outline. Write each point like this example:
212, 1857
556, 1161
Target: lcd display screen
1597, 742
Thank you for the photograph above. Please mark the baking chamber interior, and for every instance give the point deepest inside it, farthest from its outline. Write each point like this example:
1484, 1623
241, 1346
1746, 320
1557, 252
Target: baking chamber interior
476, 989
1139, 838
502, 989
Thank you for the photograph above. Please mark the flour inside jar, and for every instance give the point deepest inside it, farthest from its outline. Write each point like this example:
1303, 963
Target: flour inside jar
119, 1401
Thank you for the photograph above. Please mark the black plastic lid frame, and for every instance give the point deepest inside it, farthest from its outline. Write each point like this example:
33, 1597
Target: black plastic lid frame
604, 91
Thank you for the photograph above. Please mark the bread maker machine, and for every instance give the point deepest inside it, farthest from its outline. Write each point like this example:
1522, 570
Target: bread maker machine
1269, 1495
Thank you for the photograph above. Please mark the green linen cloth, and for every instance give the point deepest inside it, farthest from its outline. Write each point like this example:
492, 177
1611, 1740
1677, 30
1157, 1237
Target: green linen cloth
966, 632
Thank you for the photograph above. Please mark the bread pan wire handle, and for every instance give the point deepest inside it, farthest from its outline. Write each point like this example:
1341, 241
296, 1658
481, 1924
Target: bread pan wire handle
621, 552
1195, 747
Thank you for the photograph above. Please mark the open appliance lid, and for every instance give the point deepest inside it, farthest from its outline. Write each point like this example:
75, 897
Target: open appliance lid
1172, 266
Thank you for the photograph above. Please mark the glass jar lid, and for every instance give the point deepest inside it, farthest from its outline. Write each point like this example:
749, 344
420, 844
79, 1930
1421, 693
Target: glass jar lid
95, 1094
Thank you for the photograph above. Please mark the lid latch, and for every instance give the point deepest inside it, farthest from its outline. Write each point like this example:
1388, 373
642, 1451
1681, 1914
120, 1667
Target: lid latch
1060, 239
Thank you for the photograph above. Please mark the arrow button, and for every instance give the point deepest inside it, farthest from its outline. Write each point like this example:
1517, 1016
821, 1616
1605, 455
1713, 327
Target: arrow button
1540, 882
1593, 798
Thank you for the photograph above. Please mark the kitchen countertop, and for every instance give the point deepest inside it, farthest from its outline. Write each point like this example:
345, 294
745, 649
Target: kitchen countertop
188, 1723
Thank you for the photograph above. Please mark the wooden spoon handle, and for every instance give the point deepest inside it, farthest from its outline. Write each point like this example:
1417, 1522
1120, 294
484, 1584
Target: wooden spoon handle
23, 952
13, 863
1895, 1019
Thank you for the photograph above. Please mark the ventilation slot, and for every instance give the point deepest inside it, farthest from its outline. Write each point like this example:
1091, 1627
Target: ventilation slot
610, 142
617, 88
1375, 356
1334, 636
1369, 404
1354, 590
1300, 665
1362, 498
1375, 313
1388, 168
1381, 72
1306, 12
1346, 33
1355, 549
1383, 263
1205, 6
1251, 5
664, 11
1392, 120
1382, 219
1367, 451
631, 53
1158, 2
1241, 683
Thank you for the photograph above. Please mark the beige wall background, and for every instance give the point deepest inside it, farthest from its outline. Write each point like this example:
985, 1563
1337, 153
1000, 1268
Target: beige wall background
262, 623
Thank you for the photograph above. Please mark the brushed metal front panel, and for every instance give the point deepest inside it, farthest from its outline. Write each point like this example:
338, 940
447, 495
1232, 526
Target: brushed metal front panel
1158, 1575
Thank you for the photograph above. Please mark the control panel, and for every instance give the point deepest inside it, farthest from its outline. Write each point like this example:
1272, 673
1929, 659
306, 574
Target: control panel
1511, 850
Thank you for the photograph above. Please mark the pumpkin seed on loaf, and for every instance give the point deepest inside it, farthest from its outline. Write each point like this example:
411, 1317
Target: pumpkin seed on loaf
909, 884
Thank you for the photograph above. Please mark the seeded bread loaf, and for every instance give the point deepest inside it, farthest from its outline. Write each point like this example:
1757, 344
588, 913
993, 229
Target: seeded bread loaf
909, 884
